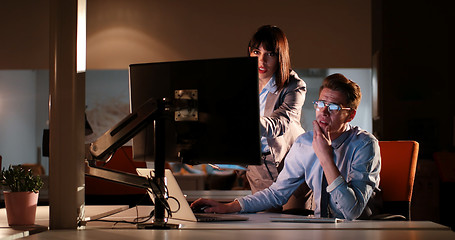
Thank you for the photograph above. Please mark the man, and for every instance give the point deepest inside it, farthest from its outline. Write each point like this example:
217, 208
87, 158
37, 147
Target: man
339, 162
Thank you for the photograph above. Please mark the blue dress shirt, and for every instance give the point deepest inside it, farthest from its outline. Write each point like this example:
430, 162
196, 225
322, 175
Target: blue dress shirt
269, 87
357, 156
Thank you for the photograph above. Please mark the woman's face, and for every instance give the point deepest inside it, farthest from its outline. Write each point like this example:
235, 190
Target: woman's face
267, 62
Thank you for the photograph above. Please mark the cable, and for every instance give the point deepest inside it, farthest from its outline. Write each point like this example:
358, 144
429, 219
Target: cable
178, 204
136, 220
164, 203
143, 219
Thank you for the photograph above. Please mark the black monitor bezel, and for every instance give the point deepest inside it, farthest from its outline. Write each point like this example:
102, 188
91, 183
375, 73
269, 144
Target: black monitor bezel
228, 89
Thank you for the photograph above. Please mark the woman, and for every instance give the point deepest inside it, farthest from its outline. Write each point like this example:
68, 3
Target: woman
281, 94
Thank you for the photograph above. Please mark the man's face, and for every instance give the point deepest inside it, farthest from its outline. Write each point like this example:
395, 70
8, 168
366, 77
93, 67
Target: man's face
334, 122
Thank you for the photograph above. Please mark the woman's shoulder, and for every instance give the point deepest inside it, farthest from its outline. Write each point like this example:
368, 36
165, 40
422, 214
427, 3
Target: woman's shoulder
295, 81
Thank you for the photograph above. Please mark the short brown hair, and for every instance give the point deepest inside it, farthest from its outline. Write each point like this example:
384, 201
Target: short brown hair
338, 82
273, 39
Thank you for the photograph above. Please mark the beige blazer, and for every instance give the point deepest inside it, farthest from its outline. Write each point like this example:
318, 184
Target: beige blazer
281, 121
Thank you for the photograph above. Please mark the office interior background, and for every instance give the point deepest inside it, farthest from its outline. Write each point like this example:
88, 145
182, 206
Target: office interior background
397, 51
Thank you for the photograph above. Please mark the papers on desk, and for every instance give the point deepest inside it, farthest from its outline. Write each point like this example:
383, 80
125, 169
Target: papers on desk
222, 167
301, 219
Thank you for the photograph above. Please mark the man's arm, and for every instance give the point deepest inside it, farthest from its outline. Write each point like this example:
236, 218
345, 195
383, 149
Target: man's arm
322, 146
350, 195
290, 178
212, 206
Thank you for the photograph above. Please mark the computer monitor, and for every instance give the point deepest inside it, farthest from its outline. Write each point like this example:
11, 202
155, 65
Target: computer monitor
227, 126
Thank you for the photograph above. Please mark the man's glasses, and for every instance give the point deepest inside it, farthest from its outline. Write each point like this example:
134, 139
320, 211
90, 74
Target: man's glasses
332, 107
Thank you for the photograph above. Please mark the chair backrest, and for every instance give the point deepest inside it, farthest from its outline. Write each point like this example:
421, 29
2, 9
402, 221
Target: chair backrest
37, 169
398, 167
95, 188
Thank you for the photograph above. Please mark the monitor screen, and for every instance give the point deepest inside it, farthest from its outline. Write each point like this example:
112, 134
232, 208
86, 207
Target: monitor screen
227, 126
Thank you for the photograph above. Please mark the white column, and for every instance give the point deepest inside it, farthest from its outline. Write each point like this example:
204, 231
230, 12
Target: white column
66, 114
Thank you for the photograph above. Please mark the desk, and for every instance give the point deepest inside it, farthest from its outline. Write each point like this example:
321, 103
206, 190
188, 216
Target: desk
258, 227
247, 234
260, 221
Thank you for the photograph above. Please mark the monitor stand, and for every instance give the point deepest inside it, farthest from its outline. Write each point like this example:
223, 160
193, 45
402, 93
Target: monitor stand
160, 221
151, 112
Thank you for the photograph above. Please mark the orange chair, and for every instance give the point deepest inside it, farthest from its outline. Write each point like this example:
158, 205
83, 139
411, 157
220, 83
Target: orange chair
99, 191
398, 167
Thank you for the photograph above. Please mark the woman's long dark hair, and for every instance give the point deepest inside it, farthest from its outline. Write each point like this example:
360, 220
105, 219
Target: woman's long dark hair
274, 40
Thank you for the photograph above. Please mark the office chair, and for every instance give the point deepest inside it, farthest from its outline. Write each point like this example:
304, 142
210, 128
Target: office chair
99, 191
398, 167
37, 169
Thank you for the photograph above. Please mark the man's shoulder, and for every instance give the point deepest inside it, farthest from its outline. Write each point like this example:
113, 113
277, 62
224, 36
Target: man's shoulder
305, 138
359, 134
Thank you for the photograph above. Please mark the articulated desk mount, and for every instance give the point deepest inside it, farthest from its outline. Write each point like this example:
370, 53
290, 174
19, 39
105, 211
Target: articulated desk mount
153, 112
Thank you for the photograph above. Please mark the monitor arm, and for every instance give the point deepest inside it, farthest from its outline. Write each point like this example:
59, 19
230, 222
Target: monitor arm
184, 106
122, 132
104, 147
151, 112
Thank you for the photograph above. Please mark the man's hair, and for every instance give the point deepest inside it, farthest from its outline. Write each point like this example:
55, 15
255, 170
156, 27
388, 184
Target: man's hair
338, 82
273, 39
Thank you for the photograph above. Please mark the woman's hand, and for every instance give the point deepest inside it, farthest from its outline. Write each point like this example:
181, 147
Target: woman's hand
212, 206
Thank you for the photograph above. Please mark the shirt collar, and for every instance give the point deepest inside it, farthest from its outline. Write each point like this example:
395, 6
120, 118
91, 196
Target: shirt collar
271, 85
340, 140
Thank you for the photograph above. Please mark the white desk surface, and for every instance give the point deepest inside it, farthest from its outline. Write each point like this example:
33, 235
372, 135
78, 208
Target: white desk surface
258, 226
261, 221
112, 234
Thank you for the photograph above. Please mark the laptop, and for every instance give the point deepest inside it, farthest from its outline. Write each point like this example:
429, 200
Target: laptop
185, 212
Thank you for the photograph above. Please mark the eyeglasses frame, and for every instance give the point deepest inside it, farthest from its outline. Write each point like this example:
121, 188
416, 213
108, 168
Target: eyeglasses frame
326, 104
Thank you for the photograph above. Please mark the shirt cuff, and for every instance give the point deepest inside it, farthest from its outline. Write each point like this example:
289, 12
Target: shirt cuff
339, 180
240, 201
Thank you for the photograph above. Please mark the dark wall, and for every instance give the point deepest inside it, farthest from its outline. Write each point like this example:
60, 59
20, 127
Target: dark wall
411, 45
411, 54
322, 34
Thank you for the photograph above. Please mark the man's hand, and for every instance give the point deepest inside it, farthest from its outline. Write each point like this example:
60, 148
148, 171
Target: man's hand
212, 206
322, 144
